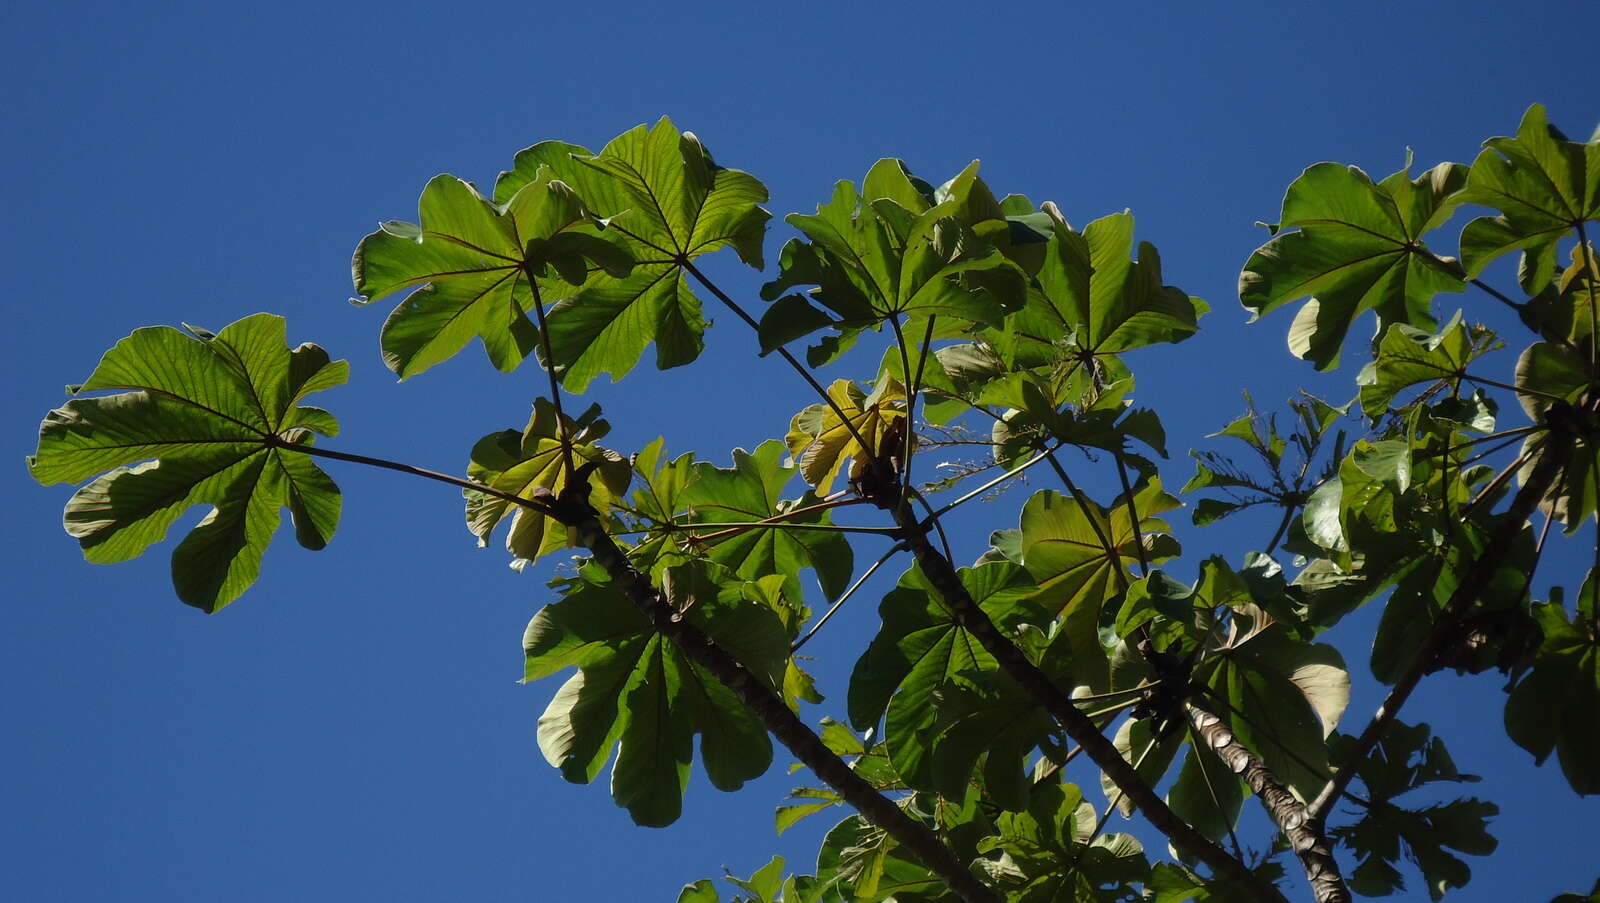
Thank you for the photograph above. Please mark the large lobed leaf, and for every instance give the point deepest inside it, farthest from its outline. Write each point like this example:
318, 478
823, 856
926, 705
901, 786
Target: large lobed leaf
1096, 301
206, 419
635, 689
1407, 356
821, 441
1356, 246
923, 669
1552, 708
548, 237
861, 863
1543, 184
520, 463
1053, 851
670, 203
895, 247
1061, 546
1279, 696
1405, 759
474, 265
751, 491
1548, 372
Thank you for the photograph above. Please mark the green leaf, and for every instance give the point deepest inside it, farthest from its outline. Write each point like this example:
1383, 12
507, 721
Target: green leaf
821, 442
1052, 852
919, 651
672, 203
470, 262
1172, 882
662, 482
1209, 511
1357, 247
1547, 371
1107, 303
858, 862
207, 419
1388, 461
787, 816
1425, 578
893, 251
1543, 184
1077, 574
1364, 500
702, 891
1283, 697
613, 291
1407, 356
764, 883
946, 707
1551, 709
978, 715
1155, 596
1206, 794
1566, 310
636, 689
519, 463
1150, 756
751, 491
790, 317
1405, 759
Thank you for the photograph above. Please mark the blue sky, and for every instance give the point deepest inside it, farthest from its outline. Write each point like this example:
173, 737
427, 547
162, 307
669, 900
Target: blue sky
353, 728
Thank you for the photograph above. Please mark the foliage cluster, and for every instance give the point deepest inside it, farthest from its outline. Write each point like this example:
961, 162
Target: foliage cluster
1005, 327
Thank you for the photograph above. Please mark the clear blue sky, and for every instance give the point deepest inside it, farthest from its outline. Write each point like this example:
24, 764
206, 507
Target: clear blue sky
353, 728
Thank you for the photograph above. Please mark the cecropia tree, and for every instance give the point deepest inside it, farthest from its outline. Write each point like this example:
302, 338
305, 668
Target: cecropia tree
1079, 648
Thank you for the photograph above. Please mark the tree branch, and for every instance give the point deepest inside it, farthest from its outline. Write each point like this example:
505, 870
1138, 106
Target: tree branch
1314, 851
1499, 547
799, 368
942, 575
274, 441
774, 714
1305, 837
573, 510
550, 371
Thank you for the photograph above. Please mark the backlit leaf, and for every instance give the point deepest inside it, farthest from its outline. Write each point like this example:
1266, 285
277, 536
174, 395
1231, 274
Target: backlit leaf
821, 442
894, 248
1407, 356
1543, 184
635, 688
470, 262
1077, 574
202, 419
1097, 301
1283, 697
1355, 246
519, 463
751, 491
1552, 707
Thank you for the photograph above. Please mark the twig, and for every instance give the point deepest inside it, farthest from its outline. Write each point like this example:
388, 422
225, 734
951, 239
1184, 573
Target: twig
996, 481
897, 547
474, 486
799, 368
550, 371
1133, 516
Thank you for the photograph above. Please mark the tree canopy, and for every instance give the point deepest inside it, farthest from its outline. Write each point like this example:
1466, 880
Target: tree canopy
983, 320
